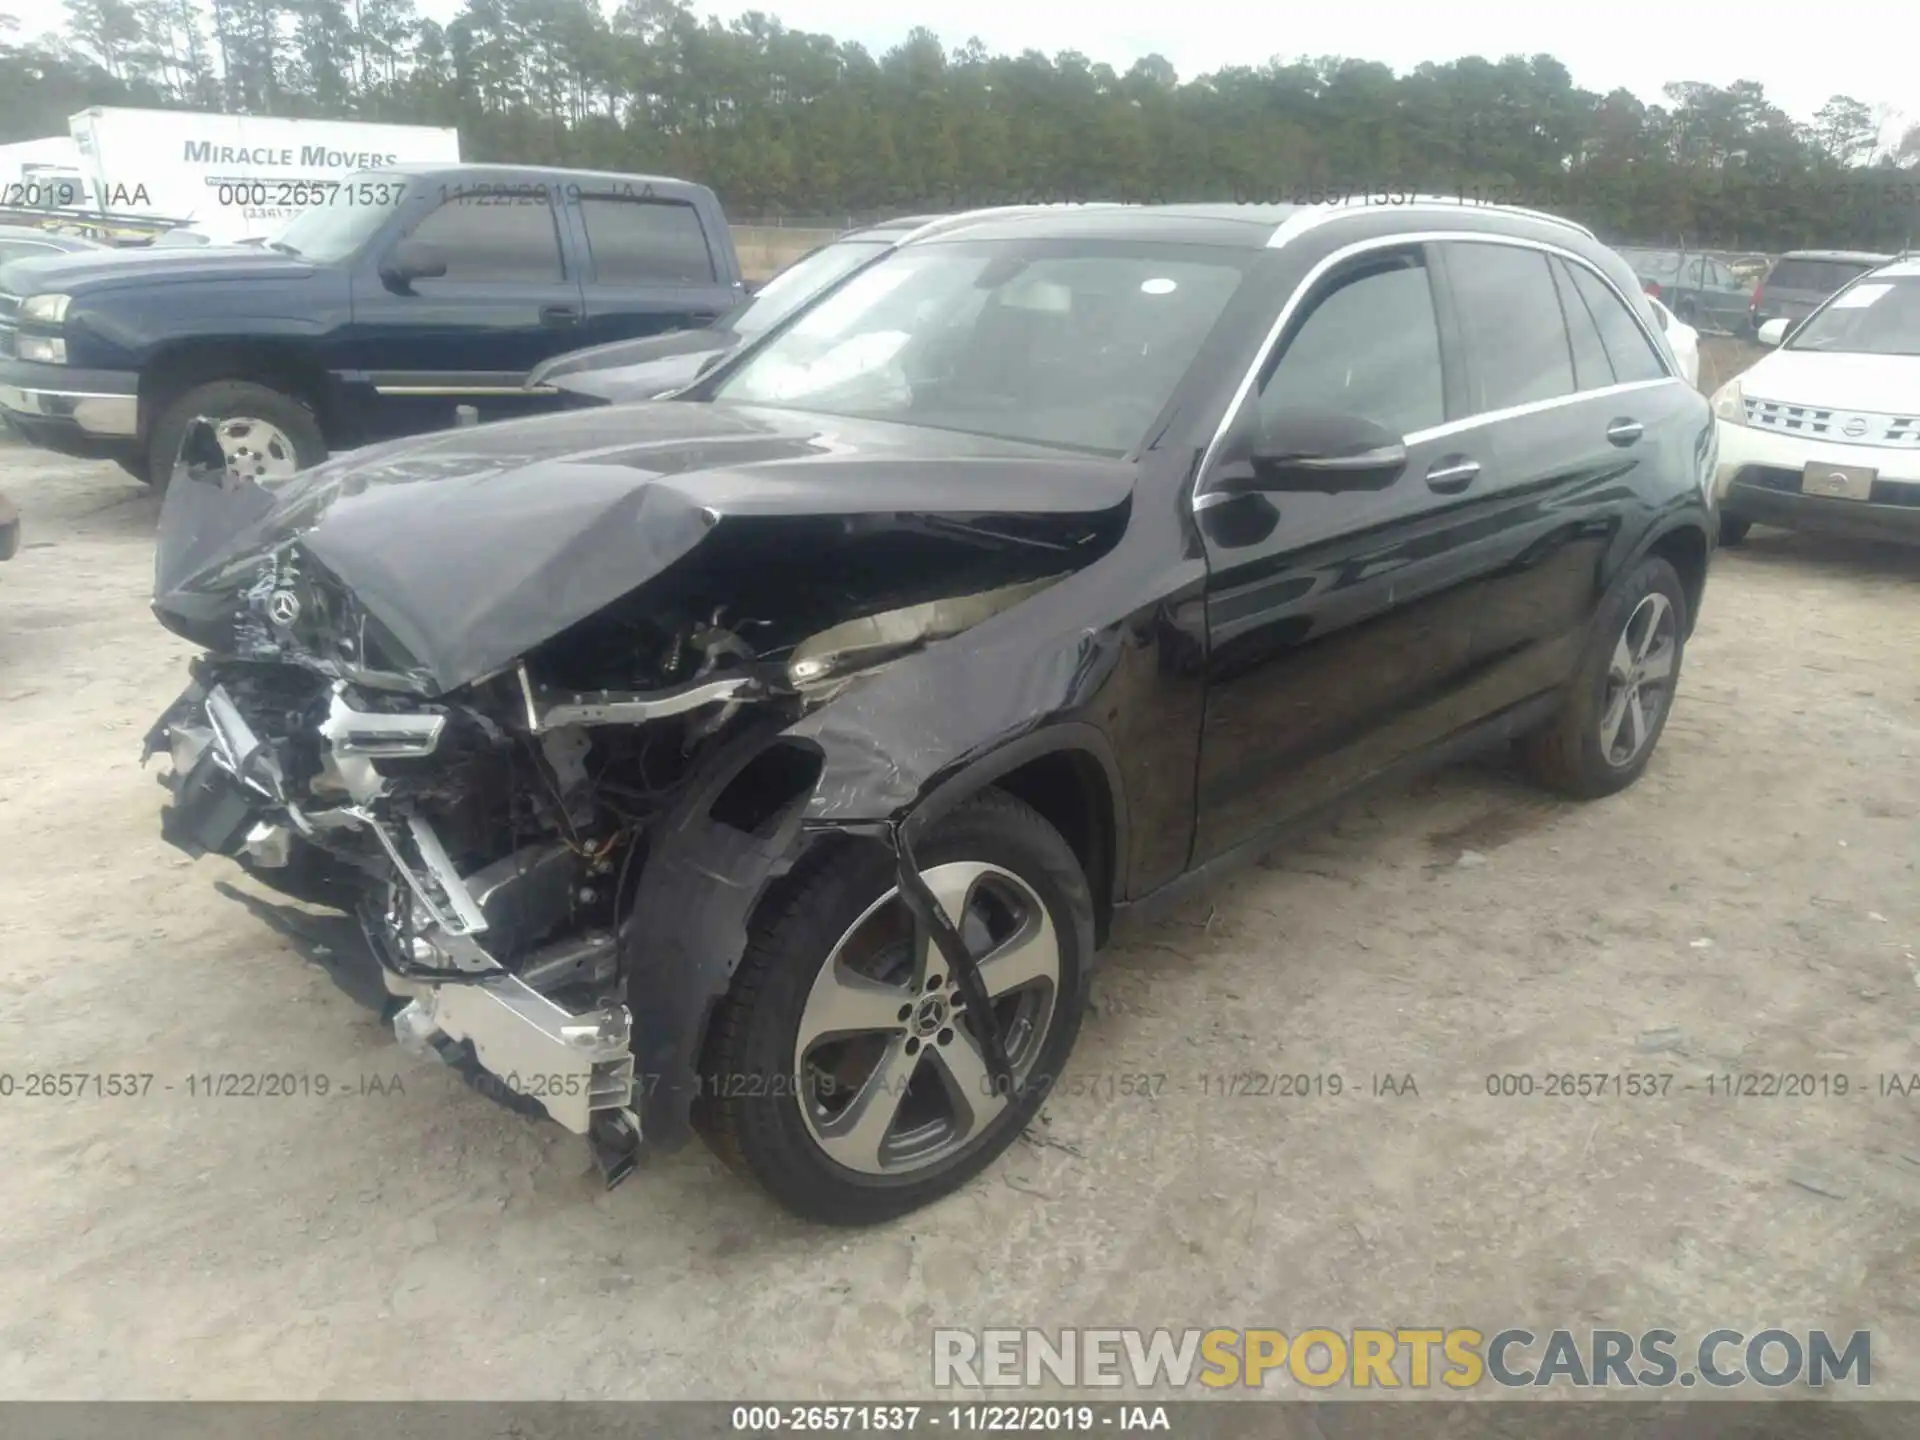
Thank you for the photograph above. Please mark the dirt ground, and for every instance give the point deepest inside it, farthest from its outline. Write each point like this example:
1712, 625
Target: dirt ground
1750, 906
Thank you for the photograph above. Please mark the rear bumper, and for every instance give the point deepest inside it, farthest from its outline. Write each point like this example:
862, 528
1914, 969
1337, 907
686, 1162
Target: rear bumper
91, 413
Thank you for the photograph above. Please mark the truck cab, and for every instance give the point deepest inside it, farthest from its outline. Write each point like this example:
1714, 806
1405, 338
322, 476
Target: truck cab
401, 294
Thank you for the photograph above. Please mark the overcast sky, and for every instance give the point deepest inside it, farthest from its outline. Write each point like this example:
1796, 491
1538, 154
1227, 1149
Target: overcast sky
1862, 48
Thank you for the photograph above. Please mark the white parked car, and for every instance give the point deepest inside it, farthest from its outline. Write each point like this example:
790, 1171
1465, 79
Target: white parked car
1684, 339
1824, 434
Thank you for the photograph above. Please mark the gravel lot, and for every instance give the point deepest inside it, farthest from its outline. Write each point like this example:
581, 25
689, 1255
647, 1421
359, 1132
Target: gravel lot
1750, 906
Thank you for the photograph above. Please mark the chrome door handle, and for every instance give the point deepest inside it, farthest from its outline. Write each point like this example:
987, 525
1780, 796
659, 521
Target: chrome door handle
1625, 432
1452, 475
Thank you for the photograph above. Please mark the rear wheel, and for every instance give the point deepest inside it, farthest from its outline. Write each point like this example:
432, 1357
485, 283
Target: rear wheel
263, 434
1733, 529
844, 1072
1616, 707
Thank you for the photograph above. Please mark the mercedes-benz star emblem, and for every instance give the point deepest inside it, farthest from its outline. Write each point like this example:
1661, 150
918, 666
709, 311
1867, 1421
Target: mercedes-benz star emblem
1855, 428
1836, 482
283, 607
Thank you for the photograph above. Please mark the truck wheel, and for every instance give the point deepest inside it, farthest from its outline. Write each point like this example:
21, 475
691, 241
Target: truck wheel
265, 435
1733, 529
842, 1071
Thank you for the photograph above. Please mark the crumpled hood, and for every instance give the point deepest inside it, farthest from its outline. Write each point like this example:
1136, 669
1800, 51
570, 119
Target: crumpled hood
475, 545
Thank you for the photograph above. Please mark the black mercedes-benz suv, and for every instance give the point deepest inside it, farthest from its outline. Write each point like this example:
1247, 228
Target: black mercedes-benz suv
770, 761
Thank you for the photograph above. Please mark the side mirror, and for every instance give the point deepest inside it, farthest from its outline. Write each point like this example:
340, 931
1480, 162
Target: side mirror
412, 260
1312, 450
1774, 331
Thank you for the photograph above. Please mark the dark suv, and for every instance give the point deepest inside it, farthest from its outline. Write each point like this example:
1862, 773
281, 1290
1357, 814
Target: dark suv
405, 293
1800, 281
770, 761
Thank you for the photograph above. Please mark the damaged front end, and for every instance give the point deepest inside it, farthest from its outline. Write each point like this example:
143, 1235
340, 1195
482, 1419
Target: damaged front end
549, 773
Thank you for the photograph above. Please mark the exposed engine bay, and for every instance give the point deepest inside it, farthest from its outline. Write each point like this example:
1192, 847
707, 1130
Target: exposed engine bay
490, 837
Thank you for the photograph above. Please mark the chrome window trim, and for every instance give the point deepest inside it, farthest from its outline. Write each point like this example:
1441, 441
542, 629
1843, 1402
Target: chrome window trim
1427, 237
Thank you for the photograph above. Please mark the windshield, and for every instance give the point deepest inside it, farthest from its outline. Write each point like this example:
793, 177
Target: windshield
1071, 343
1875, 317
800, 282
341, 222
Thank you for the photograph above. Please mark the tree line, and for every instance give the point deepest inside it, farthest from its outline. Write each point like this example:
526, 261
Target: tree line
783, 122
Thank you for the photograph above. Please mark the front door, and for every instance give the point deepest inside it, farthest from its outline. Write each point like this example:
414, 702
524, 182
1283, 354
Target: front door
508, 301
1339, 621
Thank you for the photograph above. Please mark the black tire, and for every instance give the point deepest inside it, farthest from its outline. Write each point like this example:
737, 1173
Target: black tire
749, 1111
136, 466
1733, 529
232, 400
1565, 754
1684, 312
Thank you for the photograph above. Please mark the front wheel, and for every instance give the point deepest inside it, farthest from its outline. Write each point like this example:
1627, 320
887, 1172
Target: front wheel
844, 1072
263, 434
1617, 704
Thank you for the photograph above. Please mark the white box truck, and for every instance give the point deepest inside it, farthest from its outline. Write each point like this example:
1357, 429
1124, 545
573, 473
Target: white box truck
41, 174
233, 177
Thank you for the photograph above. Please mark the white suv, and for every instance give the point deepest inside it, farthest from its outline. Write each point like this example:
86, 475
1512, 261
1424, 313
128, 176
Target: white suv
1824, 434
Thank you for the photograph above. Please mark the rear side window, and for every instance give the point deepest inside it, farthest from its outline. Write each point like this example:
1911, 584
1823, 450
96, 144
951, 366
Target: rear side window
1509, 311
1591, 367
491, 239
1628, 348
1368, 347
646, 242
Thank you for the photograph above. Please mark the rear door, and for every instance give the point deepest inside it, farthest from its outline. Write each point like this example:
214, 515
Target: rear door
508, 301
649, 265
1566, 385
1726, 298
1338, 620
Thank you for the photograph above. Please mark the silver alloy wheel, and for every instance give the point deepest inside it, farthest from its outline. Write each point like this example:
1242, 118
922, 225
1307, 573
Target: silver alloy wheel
255, 449
888, 1073
1639, 679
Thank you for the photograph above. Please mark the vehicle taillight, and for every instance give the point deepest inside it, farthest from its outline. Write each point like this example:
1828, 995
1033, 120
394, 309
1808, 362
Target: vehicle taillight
1653, 288
1754, 303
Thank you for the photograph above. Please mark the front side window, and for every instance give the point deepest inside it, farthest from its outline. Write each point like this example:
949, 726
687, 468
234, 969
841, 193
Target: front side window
1078, 344
1878, 316
1369, 347
1510, 324
494, 240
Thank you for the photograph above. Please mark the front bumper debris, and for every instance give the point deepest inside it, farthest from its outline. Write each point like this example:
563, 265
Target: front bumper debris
229, 798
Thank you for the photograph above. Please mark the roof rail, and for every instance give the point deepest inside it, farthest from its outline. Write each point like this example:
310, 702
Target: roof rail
969, 217
1308, 218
